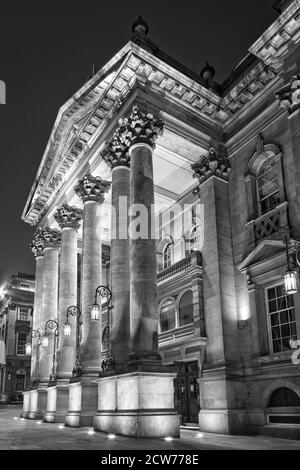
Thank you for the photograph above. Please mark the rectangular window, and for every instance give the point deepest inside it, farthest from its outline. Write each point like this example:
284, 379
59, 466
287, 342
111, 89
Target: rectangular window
22, 338
20, 382
25, 286
23, 313
281, 311
268, 188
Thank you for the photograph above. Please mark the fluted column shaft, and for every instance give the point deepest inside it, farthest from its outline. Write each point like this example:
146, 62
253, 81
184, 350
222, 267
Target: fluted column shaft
136, 135
143, 297
49, 308
120, 266
37, 312
67, 297
91, 190
91, 279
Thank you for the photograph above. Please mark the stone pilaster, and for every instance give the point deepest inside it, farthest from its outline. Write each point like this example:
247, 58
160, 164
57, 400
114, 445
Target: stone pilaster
52, 240
139, 132
218, 392
92, 191
37, 247
117, 157
68, 219
289, 99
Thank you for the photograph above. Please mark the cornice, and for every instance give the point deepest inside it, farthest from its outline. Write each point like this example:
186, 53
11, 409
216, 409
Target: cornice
275, 43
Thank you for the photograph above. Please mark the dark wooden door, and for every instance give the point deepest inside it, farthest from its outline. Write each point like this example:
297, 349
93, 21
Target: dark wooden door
187, 391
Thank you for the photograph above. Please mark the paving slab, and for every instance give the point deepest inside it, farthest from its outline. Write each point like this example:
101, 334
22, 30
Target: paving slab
20, 434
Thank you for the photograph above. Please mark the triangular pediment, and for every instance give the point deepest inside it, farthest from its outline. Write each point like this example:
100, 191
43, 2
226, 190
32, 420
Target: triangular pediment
266, 250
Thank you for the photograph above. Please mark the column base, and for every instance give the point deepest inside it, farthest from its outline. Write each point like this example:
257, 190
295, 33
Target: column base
224, 421
26, 404
82, 402
137, 404
139, 423
38, 403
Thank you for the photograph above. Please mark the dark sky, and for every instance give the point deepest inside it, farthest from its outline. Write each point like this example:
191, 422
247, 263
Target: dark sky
47, 49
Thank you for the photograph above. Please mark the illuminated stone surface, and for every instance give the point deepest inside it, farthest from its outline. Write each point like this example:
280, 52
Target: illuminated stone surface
17, 434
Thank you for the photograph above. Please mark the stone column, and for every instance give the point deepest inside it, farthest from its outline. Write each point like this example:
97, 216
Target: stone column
68, 219
37, 247
140, 402
91, 190
50, 299
140, 131
117, 157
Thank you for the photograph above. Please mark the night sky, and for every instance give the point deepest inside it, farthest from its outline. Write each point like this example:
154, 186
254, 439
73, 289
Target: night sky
47, 50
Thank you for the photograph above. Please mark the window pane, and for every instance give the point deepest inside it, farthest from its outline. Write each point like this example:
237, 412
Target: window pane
186, 309
282, 318
167, 259
167, 316
22, 337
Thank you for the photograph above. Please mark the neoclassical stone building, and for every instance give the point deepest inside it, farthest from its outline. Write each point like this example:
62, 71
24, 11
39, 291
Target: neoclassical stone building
203, 304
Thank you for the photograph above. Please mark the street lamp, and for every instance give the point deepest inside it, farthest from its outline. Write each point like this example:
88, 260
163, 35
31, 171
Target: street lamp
290, 275
52, 325
105, 293
74, 311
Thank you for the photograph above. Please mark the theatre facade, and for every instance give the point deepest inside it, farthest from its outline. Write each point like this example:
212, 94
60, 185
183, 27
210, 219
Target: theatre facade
166, 231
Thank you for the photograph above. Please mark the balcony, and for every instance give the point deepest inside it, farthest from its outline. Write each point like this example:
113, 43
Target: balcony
191, 261
269, 225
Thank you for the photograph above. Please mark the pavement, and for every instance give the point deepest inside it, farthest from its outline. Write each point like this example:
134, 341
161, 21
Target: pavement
19, 434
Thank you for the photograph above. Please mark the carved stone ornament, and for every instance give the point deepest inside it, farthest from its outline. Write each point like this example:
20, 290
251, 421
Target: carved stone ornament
92, 188
116, 152
211, 164
289, 95
139, 127
52, 238
38, 243
67, 216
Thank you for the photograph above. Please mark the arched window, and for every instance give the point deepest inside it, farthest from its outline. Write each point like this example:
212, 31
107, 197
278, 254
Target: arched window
167, 256
186, 309
20, 380
283, 397
267, 181
167, 315
195, 238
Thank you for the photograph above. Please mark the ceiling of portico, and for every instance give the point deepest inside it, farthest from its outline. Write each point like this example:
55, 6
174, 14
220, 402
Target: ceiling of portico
173, 178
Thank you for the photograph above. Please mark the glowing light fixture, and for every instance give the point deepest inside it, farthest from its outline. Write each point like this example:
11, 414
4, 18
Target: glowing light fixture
67, 330
95, 312
290, 281
45, 341
168, 439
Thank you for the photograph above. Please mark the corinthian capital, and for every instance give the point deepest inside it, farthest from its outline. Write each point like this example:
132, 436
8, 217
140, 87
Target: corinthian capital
211, 164
38, 243
139, 127
92, 188
289, 95
67, 216
52, 238
116, 152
